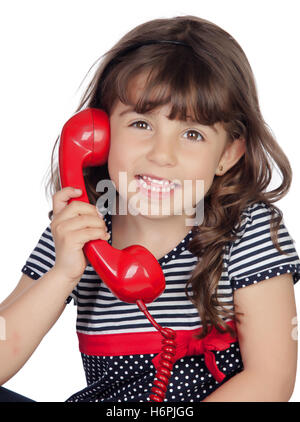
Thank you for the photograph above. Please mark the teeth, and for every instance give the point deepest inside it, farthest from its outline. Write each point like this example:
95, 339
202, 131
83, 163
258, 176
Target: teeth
165, 185
160, 182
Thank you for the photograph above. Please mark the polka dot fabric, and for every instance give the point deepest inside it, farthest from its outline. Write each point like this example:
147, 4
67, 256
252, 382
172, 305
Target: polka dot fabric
265, 275
130, 378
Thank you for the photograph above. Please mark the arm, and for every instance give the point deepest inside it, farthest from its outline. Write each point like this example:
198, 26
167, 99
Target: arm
33, 308
29, 317
268, 349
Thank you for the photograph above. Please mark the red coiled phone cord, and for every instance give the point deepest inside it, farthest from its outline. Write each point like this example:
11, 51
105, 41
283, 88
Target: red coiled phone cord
166, 362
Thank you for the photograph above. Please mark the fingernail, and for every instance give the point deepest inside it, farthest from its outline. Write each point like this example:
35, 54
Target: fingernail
78, 191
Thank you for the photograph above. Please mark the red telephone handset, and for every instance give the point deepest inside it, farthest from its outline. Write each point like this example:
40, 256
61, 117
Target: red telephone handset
132, 274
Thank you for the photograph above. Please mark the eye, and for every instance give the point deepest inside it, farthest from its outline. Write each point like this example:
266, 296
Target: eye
196, 136
139, 124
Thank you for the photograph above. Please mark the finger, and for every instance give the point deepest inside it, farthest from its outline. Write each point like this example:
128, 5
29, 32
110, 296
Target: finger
61, 198
85, 235
75, 209
82, 222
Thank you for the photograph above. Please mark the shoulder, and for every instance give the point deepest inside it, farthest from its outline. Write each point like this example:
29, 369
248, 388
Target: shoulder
257, 224
253, 256
255, 216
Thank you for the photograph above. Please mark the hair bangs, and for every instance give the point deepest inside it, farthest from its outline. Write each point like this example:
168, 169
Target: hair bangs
192, 91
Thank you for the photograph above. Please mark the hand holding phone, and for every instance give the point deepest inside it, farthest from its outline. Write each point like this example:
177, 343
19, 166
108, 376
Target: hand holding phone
72, 226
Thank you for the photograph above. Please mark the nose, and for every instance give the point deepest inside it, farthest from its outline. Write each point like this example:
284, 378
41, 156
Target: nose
162, 149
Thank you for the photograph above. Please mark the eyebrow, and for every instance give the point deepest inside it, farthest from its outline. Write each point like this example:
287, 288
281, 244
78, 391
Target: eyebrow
131, 110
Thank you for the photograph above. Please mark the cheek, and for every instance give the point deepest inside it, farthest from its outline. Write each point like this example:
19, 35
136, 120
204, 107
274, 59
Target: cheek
113, 164
203, 172
119, 159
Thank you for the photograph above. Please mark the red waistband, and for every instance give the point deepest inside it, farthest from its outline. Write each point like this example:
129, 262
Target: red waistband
150, 342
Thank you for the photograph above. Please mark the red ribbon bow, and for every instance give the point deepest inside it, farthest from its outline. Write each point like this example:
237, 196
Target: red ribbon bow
188, 345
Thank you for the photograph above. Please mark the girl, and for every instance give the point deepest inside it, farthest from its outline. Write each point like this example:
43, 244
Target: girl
182, 105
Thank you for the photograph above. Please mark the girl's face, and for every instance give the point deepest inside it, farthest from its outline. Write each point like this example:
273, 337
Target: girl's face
174, 150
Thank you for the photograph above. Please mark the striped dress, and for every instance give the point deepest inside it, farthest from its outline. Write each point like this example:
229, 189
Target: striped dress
120, 348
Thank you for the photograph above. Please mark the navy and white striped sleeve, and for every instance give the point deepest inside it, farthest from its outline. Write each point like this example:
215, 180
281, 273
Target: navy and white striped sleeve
42, 259
253, 257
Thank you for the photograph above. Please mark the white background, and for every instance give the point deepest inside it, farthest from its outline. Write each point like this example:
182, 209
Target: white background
46, 50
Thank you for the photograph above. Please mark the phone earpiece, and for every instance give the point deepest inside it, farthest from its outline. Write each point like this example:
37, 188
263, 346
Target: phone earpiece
89, 129
84, 142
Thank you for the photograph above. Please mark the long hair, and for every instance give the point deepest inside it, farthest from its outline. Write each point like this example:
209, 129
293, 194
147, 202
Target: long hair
212, 81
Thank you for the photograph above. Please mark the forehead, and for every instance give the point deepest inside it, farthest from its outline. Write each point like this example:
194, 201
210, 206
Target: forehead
137, 85
146, 90
138, 80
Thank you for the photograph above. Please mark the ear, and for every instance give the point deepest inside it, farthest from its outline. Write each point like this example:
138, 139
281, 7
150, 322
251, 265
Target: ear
231, 155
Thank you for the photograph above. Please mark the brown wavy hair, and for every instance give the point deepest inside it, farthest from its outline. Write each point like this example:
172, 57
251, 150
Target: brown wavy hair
212, 81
